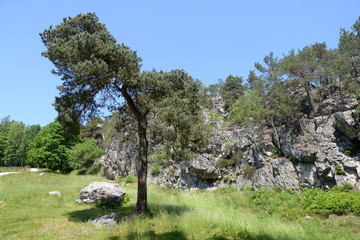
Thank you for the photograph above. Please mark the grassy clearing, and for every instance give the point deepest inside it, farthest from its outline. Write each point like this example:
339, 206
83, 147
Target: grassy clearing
28, 212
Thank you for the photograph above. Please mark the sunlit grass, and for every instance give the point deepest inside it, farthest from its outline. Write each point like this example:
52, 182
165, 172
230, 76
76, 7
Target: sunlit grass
28, 212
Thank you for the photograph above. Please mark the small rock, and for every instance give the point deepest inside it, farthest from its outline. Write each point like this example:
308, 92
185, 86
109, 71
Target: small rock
55, 193
108, 220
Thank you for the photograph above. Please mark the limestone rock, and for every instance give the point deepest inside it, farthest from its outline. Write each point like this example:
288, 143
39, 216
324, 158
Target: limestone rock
55, 193
109, 221
101, 191
346, 123
311, 149
217, 104
204, 167
120, 159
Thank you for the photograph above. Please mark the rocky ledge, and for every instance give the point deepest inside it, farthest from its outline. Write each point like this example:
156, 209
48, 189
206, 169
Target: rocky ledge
318, 152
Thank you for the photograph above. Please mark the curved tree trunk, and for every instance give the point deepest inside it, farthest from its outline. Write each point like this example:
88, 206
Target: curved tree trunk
141, 204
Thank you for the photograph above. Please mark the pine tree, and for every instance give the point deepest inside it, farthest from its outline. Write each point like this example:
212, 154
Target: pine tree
98, 72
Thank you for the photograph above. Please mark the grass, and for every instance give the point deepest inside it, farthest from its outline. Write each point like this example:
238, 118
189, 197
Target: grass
28, 212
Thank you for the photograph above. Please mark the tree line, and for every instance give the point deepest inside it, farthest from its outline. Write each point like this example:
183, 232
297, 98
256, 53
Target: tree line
50, 147
284, 89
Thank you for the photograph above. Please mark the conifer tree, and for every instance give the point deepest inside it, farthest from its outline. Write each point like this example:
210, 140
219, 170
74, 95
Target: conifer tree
98, 72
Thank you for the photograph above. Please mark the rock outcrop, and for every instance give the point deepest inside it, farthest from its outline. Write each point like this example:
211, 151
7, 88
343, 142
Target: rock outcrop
317, 152
120, 159
103, 191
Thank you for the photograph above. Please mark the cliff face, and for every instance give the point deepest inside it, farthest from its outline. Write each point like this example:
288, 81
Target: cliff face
318, 152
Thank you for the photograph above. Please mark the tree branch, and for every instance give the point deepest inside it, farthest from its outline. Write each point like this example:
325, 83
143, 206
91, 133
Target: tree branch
129, 101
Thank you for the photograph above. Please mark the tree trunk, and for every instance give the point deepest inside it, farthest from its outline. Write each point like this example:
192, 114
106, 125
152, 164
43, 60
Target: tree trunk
141, 204
276, 134
307, 86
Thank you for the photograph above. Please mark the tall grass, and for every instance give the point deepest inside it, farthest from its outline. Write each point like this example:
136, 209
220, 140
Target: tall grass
28, 212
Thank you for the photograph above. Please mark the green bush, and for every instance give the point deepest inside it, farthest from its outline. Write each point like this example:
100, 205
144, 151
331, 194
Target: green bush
274, 153
155, 169
128, 179
348, 152
161, 157
238, 157
249, 172
284, 202
347, 187
338, 201
83, 155
339, 170
223, 162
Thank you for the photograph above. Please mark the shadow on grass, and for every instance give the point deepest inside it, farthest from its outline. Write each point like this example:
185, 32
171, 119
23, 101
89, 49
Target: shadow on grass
247, 236
124, 212
176, 210
180, 235
173, 235
92, 213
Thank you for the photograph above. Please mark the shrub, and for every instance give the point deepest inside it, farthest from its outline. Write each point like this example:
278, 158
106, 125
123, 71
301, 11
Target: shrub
348, 153
128, 179
249, 172
336, 201
277, 200
238, 157
223, 162
345, 188
155, 169
274, 153
83, 155
339, 170
161, 157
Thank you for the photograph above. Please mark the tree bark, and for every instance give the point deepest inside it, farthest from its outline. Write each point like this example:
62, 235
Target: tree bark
141, 204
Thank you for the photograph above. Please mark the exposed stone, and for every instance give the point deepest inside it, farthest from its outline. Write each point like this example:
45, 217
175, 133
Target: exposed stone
103, 191
120, 159
330, 106
217, 104
204, 167
346, 123
55, 193
323, 169
312, 148
351, 165
109, 221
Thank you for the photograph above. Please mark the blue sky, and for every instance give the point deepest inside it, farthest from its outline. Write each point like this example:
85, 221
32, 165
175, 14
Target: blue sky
209, 39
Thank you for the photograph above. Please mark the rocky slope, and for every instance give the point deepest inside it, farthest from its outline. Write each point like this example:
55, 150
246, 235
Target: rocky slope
318, 152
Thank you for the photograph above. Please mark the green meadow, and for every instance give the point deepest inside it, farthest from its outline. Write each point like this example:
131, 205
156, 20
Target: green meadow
28, 212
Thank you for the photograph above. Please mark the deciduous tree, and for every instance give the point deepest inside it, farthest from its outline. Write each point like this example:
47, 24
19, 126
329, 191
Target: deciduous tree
13, 142
49, 148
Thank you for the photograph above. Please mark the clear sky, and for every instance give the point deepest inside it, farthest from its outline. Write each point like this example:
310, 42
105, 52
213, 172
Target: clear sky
209, 39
